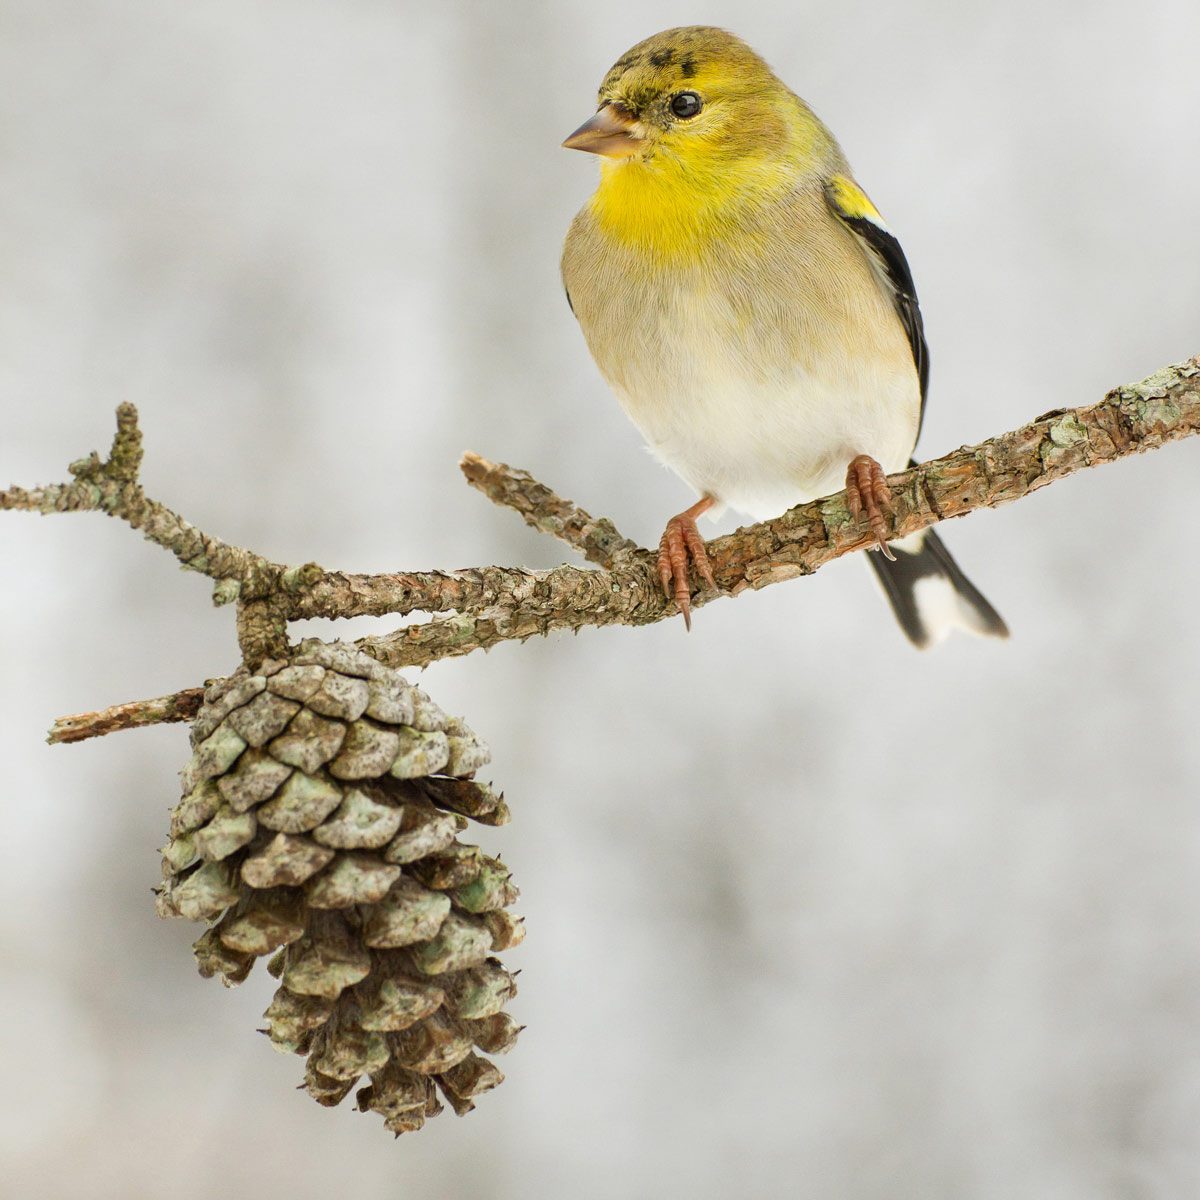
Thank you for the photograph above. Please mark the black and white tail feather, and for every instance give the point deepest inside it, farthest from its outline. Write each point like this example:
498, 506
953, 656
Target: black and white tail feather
930, 595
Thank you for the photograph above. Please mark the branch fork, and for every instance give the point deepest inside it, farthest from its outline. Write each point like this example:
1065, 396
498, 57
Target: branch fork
481, 607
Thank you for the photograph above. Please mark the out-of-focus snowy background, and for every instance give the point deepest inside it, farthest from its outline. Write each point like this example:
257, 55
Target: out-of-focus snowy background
809, 914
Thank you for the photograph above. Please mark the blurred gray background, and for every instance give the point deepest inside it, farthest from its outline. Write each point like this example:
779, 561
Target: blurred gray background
809, 914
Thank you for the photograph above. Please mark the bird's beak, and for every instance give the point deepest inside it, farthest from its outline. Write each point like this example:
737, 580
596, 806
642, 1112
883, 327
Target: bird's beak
610, 132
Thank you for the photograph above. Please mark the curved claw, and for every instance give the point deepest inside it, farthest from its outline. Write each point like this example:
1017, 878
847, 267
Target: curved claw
867, 491
680, 548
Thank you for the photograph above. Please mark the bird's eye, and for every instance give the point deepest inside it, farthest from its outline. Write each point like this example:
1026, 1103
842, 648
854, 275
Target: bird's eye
686, 105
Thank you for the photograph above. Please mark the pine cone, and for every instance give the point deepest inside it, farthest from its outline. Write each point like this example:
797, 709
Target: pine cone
319, 824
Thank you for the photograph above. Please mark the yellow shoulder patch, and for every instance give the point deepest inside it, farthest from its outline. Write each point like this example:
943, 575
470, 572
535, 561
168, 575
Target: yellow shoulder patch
852, 202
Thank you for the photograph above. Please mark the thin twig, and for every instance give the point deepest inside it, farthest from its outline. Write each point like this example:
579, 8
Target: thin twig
179, 706
596, 538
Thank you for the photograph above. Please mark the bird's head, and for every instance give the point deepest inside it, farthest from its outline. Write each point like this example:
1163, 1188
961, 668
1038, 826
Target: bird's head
696, 96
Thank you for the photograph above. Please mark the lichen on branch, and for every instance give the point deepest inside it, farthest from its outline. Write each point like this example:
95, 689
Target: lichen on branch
483, 606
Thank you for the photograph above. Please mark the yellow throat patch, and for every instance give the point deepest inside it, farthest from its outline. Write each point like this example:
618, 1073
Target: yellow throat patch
676, 211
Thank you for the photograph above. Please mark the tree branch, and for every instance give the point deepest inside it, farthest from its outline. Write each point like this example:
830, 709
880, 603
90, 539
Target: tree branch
111, 486
478, 608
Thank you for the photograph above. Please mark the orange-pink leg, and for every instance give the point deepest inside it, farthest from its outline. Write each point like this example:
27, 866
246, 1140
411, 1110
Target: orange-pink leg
867, 491
681, 542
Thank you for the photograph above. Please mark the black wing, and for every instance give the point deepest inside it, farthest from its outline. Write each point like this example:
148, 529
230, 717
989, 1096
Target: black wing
851, 205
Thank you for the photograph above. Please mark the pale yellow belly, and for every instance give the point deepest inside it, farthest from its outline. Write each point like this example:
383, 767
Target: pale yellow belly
761, 447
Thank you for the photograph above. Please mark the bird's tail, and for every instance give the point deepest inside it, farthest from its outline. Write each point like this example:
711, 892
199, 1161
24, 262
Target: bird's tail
929, 593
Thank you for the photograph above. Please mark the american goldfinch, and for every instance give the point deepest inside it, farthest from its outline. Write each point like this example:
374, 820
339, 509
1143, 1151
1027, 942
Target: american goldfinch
754, 315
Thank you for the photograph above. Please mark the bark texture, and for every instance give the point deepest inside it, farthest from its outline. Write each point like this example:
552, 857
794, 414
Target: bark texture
481, 607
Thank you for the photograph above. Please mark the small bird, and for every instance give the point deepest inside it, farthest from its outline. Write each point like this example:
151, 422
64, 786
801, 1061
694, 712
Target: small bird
752, 311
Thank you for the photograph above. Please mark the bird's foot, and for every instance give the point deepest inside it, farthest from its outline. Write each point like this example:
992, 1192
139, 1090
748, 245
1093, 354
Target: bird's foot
867, 491
680, 547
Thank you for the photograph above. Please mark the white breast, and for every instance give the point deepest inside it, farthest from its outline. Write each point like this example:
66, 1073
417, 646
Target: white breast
763, 441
